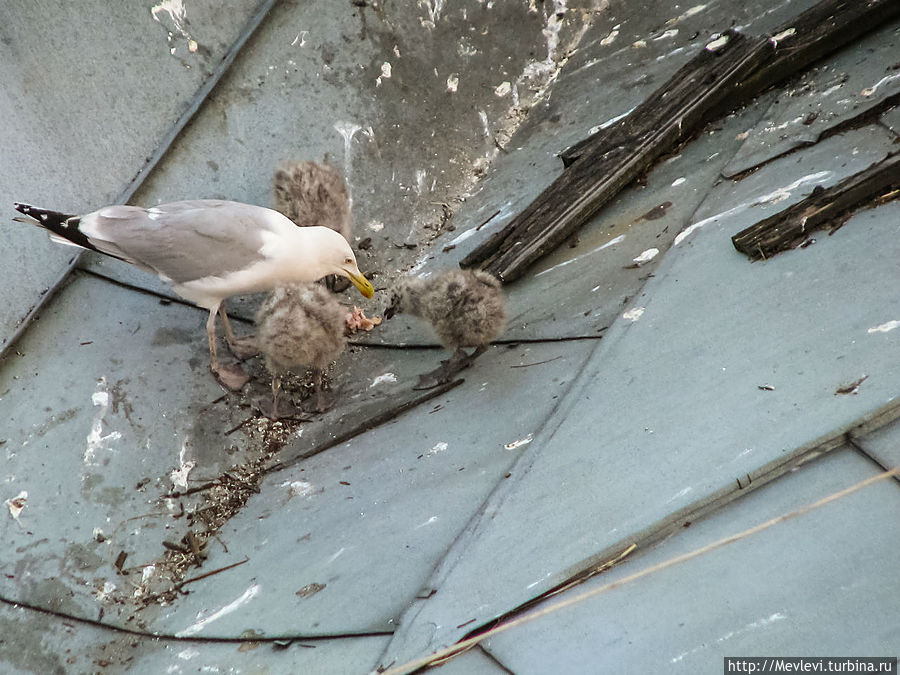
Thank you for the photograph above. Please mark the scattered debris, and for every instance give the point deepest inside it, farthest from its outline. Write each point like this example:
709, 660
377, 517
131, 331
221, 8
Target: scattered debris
536, 363
225, 610
655, 213
222, 498
300, 488
17, 504
197, 548
519, 443
633, 314
172, 546
179, 476
105, 593
644, 258
381, 379
852, 388
215, 571
488, 219
309, 590
885, 327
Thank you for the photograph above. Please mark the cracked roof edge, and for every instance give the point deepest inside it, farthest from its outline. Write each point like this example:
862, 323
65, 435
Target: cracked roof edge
165, 143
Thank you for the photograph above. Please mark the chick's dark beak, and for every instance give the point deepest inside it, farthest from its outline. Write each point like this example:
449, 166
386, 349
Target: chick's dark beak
390, 311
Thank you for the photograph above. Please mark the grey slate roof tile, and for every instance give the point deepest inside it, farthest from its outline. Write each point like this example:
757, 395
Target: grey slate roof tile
79, 439
773, 594
369, 519
607, 438
341, 656
891, 119
689, 357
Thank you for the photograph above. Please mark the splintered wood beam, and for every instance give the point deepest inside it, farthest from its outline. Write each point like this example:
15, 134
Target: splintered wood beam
819, 31
672, 114
720, 78
804, 39
823, 208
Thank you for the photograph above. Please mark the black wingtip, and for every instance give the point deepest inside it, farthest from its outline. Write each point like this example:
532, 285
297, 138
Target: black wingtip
45, 216
63, 225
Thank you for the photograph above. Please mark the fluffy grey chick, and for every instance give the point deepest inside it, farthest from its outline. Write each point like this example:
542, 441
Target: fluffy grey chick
465, 308
310, 193
300, 326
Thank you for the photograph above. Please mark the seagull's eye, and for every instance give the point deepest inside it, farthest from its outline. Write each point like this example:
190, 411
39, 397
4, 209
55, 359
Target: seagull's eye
348, 261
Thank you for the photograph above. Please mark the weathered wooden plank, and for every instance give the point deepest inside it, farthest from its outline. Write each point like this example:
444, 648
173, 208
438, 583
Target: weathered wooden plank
667, 117
807, 37
709, 85
791, 227
811, 35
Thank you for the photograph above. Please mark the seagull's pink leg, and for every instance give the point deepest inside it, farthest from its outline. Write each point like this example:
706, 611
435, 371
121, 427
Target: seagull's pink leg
242, 348
231, 375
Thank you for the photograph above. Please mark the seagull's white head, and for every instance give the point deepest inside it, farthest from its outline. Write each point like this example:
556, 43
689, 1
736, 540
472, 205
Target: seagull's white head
336, 257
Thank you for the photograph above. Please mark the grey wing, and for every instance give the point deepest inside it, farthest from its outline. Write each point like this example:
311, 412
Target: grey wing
181, 241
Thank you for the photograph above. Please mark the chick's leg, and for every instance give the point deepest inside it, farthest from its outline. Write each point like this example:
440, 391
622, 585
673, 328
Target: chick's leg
323, 400
446, 371
275, 410
460, 360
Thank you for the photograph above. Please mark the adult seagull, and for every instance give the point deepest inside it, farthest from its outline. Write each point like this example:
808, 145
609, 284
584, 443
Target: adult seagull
209, 250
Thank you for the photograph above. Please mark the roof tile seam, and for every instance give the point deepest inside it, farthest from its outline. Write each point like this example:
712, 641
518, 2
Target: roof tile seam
648, 536
168, 637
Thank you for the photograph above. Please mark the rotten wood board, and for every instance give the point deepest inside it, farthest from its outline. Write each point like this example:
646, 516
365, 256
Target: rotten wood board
824, 207
605, 163
806, 38
669, 116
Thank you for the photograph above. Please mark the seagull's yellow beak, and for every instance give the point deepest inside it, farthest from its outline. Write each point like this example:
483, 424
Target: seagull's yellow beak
362, 284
